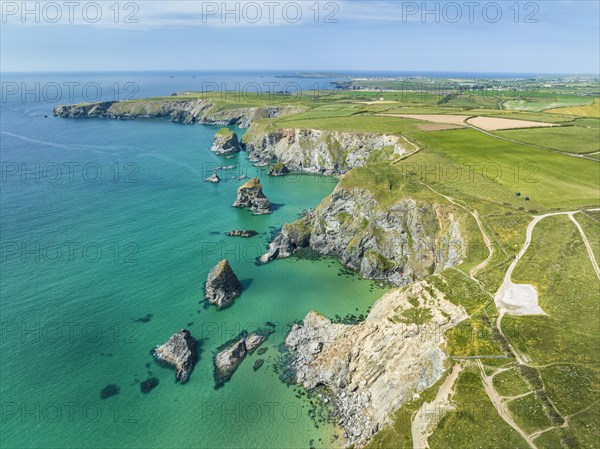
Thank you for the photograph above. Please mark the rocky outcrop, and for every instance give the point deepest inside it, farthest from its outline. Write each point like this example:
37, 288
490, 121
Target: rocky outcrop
399, 243
372, 368
183, 110
226, 142
222, 285
232, 353
318, 151
250, 195
179, 351
214, 178
240, 233
278, 169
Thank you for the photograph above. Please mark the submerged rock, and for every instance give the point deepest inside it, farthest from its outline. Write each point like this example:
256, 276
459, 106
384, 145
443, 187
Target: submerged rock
226, 142
232, 353
278, 169
222, 285
213, 178
258, 364
250, 195
239, 233
179, 351
148, 385
109, 390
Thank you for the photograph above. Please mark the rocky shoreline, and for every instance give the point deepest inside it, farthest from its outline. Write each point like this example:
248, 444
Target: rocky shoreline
318, 151
401, 243
370, 369
179, 110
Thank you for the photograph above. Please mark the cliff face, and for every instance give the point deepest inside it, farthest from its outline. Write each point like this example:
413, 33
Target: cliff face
406, 241
226, 142
372, 368
178, 110
316, 151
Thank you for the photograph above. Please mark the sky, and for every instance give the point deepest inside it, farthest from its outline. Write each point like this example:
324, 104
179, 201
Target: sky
342, 35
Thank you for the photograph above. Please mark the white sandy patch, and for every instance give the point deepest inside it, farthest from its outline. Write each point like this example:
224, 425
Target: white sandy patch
519, 299
435, 118
496, 124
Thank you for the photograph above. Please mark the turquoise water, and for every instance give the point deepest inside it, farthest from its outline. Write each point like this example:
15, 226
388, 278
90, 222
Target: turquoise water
128, 232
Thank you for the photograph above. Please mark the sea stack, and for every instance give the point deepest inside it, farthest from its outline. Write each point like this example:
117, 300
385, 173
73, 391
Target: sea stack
226, 142
179, 351
251, 195
278, 169
231, 354
222, 285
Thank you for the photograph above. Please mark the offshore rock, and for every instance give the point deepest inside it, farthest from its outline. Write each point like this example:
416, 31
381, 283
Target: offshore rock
278, 169
250, 195
232, 353
179, 351
222, 285
226, 142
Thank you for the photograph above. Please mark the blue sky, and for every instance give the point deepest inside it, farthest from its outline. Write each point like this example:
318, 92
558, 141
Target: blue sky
545, 36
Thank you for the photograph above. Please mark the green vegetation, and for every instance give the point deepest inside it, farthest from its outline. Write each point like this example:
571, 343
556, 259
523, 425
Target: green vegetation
474, 423
571, 139
510, 383
528, 412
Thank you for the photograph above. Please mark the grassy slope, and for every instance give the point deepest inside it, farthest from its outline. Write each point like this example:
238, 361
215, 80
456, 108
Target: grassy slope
567, 338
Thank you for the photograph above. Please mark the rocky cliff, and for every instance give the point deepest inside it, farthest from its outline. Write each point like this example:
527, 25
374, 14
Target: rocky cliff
317, 151
250, 195
182, 110
372, 368
179, 351
407, 240
222, 285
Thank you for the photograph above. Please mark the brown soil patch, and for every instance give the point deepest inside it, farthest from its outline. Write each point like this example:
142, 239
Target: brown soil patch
496, 124
435, 118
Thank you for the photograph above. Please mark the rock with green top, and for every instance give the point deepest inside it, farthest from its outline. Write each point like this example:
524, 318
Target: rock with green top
222, 285
250, 195
226, 142
278, 169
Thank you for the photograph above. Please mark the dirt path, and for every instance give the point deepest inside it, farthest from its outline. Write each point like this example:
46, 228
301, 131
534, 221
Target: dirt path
501, 407
428, 416
486, 238
590, 251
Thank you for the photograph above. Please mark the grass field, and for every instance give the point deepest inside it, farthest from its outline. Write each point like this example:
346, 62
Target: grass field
571, 139
563, 344
590, 110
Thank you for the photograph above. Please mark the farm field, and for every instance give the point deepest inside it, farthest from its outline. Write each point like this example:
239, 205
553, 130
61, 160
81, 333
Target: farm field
570, 139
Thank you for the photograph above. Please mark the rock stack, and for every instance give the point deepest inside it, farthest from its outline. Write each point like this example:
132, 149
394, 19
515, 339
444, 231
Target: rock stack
179, 351
250, 195
222, 285
226, 142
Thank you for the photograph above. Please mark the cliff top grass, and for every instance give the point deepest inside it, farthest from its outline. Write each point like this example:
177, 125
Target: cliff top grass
251, 184
225, 133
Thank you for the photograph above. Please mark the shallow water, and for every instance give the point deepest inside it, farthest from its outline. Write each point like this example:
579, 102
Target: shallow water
106, 243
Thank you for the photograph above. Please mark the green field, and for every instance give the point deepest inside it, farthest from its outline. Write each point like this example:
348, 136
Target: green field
570, 139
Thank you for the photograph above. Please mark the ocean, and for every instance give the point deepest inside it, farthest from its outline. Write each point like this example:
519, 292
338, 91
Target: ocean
107, 234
